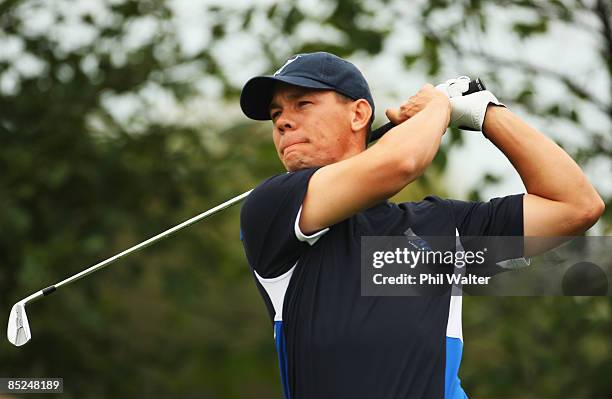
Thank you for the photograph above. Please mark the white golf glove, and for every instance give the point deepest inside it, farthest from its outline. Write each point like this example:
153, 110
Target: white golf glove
467, 112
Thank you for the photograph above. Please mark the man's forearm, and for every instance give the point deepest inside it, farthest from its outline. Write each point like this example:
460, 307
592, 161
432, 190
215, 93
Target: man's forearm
546, 170
418, 139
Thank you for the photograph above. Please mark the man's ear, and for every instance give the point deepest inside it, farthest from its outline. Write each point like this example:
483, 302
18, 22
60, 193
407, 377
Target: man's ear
362, 112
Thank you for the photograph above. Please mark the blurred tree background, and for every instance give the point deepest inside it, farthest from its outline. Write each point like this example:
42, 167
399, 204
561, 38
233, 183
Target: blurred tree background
119, 119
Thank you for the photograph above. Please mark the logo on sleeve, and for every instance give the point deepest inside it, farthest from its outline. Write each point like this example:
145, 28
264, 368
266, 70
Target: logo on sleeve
416, 242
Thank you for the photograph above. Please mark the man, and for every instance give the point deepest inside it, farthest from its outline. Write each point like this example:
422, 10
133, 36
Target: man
302, 229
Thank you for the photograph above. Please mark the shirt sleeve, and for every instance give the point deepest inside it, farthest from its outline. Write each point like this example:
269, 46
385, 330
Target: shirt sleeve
269, 223
503, 216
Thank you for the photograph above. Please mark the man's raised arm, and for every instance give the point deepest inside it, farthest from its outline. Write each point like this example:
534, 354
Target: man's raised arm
338, 191
560, 201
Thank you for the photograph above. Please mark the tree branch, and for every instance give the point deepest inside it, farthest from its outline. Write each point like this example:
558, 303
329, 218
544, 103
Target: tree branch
568, 81
603, 12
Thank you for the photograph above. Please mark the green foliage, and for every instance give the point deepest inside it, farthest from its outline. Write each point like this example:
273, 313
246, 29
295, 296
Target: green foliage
524, 30
556, 348
183, 318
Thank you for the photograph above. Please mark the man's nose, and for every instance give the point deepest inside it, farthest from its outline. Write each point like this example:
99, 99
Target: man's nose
284, 123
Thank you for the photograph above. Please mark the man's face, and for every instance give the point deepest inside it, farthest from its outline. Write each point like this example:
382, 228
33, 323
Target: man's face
310, 127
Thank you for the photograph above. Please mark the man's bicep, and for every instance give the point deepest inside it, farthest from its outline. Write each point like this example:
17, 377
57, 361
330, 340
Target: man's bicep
544, 217
548, 222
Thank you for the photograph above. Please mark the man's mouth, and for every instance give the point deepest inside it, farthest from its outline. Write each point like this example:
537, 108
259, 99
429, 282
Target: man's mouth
292, 145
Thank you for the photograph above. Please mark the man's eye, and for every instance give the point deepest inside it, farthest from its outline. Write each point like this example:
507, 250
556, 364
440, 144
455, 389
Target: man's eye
303, 103
275, 115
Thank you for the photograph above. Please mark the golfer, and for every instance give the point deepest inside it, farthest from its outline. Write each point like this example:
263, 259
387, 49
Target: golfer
302, 229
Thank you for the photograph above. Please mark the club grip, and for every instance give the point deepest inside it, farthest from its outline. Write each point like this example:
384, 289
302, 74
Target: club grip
49, 290
474, 86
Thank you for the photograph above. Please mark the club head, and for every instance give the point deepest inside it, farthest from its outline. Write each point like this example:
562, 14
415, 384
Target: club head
18, 330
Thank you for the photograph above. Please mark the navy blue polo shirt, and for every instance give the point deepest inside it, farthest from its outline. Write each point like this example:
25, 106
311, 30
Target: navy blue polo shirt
335, 343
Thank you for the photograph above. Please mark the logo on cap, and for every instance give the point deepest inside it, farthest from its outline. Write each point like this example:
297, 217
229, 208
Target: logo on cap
289, 61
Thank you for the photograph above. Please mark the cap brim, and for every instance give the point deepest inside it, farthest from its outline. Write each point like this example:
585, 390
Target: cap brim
257, 93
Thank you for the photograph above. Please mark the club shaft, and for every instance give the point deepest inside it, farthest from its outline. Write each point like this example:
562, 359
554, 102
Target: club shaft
153, 240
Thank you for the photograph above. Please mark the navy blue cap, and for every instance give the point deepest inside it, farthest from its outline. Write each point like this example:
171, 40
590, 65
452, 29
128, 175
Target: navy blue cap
313, 70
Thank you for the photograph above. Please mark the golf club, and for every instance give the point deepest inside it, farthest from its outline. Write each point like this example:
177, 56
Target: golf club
18, 330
